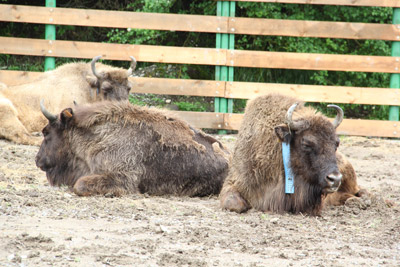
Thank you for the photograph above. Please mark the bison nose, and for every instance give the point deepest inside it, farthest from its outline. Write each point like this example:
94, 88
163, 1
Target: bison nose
333, 180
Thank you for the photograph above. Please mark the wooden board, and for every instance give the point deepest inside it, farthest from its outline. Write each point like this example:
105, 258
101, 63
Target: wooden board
207, 56
347, 127
316, 93
321, 29
304, 61
209, 120
148, 53
113, 19
177, 87
379, 3
196, 23
243, 90
14, 77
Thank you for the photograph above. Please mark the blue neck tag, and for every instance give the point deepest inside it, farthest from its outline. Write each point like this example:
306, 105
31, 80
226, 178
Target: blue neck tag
289, 177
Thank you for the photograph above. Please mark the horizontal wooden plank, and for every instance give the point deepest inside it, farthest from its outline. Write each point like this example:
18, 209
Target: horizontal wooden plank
207, 56
112, 19
196, 23
243, 90
347, 127
148, 53
316, 93
321, 29
304, 61
378, 3
369, 128
178, 87
209, 120
15, 77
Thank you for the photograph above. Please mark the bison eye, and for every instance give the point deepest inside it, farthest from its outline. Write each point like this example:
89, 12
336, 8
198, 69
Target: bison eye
307, 145
337, 143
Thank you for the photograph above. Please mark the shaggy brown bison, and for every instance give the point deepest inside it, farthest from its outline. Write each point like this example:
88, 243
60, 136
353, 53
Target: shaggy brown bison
257, 175
117, 148
83, 82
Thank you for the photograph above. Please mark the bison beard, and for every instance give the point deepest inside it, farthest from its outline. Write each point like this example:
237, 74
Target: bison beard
256, 172
117, 148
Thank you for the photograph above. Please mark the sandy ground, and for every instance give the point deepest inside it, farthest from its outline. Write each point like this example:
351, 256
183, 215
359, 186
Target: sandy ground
45, 226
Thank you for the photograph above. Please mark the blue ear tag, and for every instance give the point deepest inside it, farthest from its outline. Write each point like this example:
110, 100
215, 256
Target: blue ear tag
289, 177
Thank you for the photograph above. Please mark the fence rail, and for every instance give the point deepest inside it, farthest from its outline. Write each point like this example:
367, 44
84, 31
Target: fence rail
205, 56
221, 57
197, 23
243, 90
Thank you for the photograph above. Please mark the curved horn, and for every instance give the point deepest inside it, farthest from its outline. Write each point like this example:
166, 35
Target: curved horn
289, 121
339, 116
132, 67
46, 113
94, 60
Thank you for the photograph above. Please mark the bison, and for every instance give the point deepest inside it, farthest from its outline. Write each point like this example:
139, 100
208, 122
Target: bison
116, 148
319, 172
82, 82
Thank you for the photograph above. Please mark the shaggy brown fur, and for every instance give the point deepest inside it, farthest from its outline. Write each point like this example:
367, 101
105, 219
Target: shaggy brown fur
19, 105
256, 174
119, 148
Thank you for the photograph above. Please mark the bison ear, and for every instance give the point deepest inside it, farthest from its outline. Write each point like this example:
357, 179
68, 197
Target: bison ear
92, 80
283, 133
66, 115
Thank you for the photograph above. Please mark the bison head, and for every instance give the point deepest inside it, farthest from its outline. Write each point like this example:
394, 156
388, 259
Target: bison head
111, 84
53, 156
313, 142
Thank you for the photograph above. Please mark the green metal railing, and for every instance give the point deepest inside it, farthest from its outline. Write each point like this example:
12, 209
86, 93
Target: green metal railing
224, 73
50, 34
395, 78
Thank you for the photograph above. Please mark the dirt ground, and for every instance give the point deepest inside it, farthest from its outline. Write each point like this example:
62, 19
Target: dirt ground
45, 226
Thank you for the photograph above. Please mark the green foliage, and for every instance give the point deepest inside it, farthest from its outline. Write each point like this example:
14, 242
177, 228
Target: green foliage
146, 100
189, 106
184, 103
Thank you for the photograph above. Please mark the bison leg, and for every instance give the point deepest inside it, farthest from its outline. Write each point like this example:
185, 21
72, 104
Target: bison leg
231, 200
100, 185
11, 127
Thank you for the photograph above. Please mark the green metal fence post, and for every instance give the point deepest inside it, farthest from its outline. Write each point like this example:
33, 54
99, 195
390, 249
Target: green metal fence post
50, 34
395, 78
231, 46
224, 73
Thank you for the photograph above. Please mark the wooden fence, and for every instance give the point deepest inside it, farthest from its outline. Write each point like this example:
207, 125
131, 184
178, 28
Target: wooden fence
222, 57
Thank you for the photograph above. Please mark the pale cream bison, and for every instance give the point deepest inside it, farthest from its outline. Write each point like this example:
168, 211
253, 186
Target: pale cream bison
20, 114
256, 176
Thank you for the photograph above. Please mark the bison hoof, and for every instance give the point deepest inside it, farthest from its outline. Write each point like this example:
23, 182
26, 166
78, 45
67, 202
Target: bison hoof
362, 193
81, 189
232, 201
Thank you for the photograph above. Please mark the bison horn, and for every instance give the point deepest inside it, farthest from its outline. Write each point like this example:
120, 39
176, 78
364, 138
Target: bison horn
339, 116
94, 60
132, 67
46, 113
292, 125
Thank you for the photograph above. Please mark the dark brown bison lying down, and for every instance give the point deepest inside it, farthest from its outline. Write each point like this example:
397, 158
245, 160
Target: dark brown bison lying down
256, 174
118, 148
